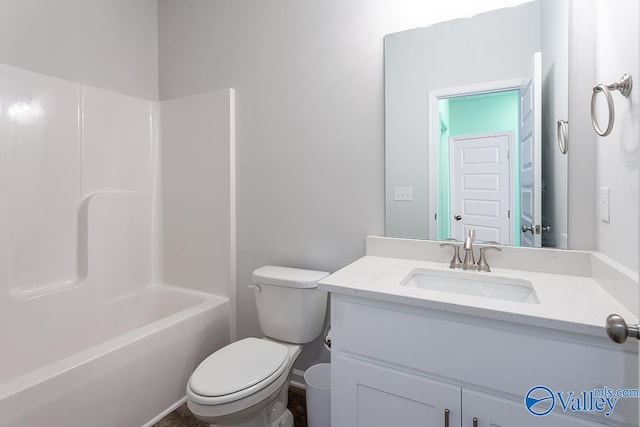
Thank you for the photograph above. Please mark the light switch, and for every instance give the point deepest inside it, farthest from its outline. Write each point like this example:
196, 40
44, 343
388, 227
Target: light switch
604, 204
404, 193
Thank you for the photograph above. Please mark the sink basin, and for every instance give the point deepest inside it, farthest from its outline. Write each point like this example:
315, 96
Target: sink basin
474, 284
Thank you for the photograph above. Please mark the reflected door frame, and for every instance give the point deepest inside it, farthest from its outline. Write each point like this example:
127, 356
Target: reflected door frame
433, 124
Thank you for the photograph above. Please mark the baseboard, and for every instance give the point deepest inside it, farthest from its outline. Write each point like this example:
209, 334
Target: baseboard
166, 412
297, 379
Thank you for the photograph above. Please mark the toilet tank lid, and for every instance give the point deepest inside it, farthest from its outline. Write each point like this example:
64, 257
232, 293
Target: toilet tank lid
287, 276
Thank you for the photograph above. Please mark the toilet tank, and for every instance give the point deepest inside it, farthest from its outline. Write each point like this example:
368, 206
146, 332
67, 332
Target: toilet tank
291, 308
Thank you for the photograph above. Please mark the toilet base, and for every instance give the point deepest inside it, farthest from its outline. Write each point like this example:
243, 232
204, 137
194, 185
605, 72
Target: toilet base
263, 419
285, 420
270, 412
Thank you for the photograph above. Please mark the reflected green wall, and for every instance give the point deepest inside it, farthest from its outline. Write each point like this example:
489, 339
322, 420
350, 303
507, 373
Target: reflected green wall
470, 115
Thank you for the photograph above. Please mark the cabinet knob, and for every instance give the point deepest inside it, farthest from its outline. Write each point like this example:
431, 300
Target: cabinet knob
457, 217
618, 330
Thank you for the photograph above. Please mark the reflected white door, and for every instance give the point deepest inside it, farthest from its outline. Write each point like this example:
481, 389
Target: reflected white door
480, 194
530, 135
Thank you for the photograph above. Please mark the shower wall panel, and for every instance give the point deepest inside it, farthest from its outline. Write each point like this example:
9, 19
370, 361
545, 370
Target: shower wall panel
75, 162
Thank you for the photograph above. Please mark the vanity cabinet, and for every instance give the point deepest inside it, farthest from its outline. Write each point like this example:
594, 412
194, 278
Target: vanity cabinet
398, 365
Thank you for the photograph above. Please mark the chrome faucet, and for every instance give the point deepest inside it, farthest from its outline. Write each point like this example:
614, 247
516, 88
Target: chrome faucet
469, 262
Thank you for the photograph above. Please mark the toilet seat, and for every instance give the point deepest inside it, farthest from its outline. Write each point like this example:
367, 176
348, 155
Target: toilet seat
238, 370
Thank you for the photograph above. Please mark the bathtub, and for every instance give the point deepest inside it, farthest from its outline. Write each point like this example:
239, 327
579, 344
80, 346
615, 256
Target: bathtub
121, 362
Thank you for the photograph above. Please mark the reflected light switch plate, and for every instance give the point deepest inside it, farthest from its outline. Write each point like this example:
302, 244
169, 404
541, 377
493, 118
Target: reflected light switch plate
604, 204
404, 193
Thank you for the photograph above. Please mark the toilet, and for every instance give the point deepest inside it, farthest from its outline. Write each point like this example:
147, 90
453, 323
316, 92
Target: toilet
246, 383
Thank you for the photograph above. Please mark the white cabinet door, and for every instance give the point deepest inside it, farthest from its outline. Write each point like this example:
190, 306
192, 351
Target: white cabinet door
492, 411
369, 395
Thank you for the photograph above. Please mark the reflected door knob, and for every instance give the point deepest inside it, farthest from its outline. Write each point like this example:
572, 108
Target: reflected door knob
457, 217
618, 330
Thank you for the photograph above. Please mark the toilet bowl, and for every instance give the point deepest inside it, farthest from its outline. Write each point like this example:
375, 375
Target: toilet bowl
222, 392
245, 384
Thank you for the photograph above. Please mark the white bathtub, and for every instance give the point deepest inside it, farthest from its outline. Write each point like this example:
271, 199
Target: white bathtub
123, 362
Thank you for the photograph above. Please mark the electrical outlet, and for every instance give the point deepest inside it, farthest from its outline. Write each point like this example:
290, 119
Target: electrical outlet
605, 210
404, 194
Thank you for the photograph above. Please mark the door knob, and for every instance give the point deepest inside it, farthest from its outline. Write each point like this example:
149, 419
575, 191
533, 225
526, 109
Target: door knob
526, 228
457, 217
618, 330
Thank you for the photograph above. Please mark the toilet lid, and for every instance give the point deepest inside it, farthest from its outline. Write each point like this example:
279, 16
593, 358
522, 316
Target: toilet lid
238, 366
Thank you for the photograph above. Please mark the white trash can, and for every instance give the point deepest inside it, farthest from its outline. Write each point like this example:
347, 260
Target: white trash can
317, 381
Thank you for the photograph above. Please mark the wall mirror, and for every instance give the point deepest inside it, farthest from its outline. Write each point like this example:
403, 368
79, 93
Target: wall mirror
476, 132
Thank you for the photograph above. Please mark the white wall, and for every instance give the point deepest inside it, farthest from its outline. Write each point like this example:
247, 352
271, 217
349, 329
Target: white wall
617, 47
196, 209
309, 132
110, 44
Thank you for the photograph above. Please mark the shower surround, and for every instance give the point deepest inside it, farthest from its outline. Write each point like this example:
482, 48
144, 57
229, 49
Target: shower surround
84, 326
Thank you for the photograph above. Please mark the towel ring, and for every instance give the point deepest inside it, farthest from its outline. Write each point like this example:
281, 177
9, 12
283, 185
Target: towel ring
563, 136
624, 86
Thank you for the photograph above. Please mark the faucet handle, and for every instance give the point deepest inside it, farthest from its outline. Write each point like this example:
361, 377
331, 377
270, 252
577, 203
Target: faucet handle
456, 262
482, 262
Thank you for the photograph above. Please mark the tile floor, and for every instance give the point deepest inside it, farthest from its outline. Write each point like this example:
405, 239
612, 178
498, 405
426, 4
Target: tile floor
181, 417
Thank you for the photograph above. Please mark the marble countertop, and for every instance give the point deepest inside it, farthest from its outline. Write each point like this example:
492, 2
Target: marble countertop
568, 303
